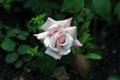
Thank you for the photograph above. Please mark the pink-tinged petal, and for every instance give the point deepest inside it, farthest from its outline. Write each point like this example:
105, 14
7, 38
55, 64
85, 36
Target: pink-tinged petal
69, 41
53, 39
41, 36
77, 43
66, 22
53, 54
72, 31
64, 52
48, 23
46, 42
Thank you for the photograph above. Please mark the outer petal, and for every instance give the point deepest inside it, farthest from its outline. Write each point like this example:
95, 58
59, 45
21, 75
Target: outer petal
41, 36
72, 31
46, 42
48, 23
77, 43
69, 40
65, 23
53, 54
64, 52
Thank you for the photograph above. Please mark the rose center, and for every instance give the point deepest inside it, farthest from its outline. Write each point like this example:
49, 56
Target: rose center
62, 39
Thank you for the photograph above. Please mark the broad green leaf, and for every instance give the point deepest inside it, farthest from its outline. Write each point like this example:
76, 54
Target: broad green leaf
47, 65
12, 32
78, 4
102, 7
11, 57
23, 35
75, 5
67, 4
93, 56
85, 37
18, 64
8, 44
22, 49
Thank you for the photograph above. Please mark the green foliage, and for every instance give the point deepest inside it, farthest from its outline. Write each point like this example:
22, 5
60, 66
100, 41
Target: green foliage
113, 78
11, 57
93, 56
27, 58
74, 5
102, 7
8, 44
85, 37
117, 10
47, 65
18, 64
33, 51
22, 49
23, 35
35, 23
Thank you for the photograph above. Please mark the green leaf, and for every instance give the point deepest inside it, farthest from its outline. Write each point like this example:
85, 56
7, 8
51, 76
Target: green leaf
85, 37
18, 64
117, 10
102, 7
12, 32
90, 14
23, 35
47, 65
33, 51
67, 4
79, 4
27, 58
76, 5
22, 49
8, 44
11, 57
93, 56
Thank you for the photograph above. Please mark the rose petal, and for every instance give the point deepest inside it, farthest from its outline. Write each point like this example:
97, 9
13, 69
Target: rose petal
48, 23
46, 42
53, 54
77, 43
72, 31
69, 40
65, 52
41, 36
66, 22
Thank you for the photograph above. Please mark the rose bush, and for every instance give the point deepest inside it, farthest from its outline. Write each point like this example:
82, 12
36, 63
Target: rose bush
58, 37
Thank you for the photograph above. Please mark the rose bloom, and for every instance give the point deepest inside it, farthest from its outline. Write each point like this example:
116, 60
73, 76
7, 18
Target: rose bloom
58, 37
